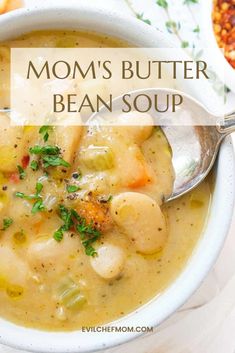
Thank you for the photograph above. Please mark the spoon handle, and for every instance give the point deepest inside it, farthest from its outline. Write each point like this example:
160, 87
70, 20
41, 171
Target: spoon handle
227, 126
5, 110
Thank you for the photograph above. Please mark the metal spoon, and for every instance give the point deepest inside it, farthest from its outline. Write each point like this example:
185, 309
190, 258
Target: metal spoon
194, 146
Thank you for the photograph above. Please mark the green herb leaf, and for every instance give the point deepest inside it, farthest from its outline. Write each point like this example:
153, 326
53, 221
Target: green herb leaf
44, 131
72, 188
90, 251
58, 235
187, 2
43, 150
50, 155
172, 26
7, 222
21, 171
141, 17
39, 187
88, 233
196, 29
38, 206
76, 216
184, 44
34, 165
162, 3
66, 216
54, 161
20, 194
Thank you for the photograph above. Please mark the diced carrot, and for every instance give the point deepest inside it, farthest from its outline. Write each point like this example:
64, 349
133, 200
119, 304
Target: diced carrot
39, 222
13, 5
139, 175
140, 180
37, 227
14, 178
95, 213
3, 5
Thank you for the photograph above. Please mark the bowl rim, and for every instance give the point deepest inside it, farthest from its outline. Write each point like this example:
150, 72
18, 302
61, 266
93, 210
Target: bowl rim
211, 242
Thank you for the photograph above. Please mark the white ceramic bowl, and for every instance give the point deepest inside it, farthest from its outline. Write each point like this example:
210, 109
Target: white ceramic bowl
160, 307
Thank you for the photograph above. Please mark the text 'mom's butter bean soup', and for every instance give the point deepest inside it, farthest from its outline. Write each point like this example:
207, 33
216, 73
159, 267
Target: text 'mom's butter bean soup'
82, 220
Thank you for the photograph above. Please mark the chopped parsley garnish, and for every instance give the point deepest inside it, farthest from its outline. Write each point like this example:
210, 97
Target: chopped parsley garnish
88, 233
50, 156
26, 197
44, 131
89, 250
21, 195
58, 235
66, 216
54, 161
34, 165
43, 150
162, 3
72, 188
39, 188
38, 205
196, 29
7, 222
22, 172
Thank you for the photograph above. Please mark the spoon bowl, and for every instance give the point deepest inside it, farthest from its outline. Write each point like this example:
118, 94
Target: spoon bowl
193, 133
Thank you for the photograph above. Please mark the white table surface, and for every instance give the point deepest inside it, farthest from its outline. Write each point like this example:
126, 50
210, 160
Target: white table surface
206, 324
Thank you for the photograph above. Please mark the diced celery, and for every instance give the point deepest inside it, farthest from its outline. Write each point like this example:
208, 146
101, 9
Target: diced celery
64, 285
196, 203
69, 295
14, 291
76, 302
19, 237
98, 158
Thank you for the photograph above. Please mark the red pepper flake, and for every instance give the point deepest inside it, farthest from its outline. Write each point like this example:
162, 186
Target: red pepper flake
25, 161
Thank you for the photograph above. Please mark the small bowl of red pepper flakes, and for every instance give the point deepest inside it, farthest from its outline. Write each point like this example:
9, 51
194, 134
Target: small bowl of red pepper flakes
224, 27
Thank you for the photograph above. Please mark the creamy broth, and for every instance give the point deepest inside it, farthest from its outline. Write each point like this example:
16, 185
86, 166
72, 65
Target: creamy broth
112, 190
